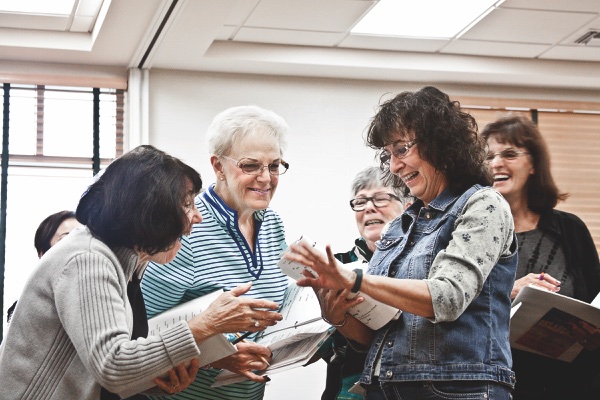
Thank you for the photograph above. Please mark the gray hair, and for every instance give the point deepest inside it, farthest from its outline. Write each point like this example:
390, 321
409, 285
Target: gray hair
235, 123
373, 177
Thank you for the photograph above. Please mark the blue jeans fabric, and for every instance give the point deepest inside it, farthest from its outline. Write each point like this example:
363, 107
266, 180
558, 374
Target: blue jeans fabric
438, 390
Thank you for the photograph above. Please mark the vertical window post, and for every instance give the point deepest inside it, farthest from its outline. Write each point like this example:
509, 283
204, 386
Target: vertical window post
3, 190
96, 156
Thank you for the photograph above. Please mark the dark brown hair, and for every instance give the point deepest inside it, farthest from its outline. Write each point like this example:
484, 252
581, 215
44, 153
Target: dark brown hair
138, 202
542, 192
446, 136
47, 229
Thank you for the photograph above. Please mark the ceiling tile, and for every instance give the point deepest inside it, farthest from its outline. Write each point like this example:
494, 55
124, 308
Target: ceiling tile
497, 49
527, 26
392, 43
593, 25
308, 15
240, 12
556, 5
226, 32
34, 22
577, 53
291, 37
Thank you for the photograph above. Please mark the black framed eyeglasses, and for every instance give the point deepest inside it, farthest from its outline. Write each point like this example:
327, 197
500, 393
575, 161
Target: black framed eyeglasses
378, 200
399, 151
506, 154
253, 167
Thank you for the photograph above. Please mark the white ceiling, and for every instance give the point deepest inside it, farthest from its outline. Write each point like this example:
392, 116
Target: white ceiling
523, 42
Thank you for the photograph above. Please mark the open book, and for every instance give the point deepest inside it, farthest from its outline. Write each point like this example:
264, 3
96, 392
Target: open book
370, 312
212, 349
293, 340
549, 324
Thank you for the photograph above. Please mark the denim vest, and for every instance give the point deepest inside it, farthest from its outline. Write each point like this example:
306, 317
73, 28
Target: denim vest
473, 347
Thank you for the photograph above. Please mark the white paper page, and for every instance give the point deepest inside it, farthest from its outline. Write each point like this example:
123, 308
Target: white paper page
596, 301
541, 323
301, 314
370, 312
212, 349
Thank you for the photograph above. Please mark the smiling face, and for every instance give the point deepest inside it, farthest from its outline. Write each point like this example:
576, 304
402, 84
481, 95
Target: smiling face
371, 220
242, 192
510, 176
421, 178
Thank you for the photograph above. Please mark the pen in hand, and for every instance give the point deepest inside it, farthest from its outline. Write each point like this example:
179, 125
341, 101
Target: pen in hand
240, 338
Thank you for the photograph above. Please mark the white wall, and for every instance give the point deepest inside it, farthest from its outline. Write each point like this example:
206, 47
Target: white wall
327, 119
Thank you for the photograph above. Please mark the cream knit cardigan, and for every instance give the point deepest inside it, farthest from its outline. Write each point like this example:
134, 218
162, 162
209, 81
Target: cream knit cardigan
70, 333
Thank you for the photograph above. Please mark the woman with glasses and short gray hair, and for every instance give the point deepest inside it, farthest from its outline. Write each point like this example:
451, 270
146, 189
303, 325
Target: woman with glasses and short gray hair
239, 240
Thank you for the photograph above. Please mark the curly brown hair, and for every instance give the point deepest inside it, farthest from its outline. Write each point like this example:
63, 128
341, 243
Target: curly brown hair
446, 136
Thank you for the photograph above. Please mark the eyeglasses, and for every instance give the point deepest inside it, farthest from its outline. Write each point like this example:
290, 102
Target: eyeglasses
253, 167
398, 150
506, 154
379, 200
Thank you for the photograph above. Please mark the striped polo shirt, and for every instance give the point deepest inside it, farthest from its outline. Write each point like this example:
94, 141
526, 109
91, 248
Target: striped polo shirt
217, 256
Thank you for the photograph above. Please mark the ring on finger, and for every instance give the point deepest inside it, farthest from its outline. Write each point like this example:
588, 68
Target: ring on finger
174, 386
256, 323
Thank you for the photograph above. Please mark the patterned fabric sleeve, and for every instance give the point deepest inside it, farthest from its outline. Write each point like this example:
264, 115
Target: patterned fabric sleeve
482, 234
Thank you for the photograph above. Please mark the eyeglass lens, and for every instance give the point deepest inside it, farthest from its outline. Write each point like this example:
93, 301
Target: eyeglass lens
399, 150
506, 154
380, 200
255, 168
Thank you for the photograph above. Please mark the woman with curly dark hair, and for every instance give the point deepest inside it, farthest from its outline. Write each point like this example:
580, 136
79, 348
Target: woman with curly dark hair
447, 263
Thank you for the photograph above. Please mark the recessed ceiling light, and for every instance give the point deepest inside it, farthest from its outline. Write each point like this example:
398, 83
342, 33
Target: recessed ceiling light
424, 18
53, 7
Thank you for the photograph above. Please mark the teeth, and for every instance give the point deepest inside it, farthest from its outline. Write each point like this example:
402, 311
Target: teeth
373, 222
500, 177
409, 176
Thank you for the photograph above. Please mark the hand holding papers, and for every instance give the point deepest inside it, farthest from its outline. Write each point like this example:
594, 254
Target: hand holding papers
370, 312
295, 339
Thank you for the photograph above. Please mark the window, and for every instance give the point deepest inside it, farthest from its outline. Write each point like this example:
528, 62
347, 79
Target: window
52, 160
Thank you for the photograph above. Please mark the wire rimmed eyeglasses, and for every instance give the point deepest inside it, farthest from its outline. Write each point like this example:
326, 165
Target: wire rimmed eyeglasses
378, 200
399, 150
506, 154
253, 167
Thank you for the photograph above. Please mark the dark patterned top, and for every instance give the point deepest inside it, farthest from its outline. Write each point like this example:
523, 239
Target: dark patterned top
539, 252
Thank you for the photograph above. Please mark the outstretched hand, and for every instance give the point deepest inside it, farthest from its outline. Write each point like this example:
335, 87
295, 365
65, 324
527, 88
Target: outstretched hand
330, 273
